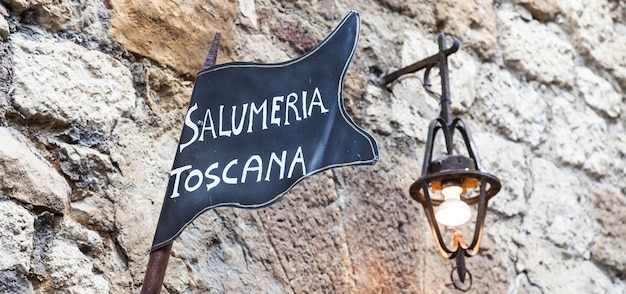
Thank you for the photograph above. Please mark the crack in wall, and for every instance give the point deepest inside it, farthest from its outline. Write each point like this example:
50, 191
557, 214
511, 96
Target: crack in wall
338, 180
522, 274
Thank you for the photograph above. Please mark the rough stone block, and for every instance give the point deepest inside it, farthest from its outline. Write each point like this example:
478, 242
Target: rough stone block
16, 238
68, 84
518, 111
596, 34
472, 21
521, 43
27, 176
176, 34
598, 93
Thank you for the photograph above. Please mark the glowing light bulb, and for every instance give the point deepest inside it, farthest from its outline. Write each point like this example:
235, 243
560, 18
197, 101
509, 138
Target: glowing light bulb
453, 212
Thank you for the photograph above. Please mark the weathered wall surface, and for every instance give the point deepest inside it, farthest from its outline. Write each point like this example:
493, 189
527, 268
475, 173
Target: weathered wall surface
93, 93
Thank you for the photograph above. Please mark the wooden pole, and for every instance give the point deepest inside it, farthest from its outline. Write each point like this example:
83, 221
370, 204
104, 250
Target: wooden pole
157, 264
155, 273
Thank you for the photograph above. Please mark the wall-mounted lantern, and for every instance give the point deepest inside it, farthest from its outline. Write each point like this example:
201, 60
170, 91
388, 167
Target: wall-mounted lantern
451, 183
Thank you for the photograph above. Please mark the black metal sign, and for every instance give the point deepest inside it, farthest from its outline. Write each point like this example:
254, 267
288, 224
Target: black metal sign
253, 131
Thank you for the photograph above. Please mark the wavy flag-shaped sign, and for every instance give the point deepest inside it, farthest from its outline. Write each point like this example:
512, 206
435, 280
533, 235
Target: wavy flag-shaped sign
253, 131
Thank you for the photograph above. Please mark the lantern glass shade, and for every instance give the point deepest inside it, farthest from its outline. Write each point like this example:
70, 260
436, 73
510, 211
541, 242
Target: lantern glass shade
453, 213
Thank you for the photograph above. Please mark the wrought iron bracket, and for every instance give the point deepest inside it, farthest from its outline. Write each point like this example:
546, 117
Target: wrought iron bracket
441, 60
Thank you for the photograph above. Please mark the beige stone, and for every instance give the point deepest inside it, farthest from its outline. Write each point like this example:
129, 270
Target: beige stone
420, 9
86, 16
177, 34
267, 50
471, 21
137, 195
57, 12
235, 243
607, 250
543, 10
165, 92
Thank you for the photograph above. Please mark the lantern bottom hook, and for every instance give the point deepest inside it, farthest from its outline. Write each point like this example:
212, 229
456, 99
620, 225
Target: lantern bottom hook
460, 285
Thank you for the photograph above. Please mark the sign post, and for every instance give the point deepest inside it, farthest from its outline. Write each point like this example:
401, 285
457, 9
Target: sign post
253, 131
155, 272
157, 263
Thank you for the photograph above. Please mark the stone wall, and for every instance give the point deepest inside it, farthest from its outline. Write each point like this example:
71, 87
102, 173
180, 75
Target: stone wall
92, 100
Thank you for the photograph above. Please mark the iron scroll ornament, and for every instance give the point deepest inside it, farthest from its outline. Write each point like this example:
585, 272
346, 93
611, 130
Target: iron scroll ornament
295, 126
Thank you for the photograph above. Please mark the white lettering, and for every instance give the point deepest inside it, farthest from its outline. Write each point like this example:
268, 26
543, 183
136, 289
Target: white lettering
191, 125
291, 104
237, 129
317, 100
299, 157
275, 120
222, 132
253, 111
304, 113
194, 173
176, 172
280, 162
207, 115
258, 168
195, 178
225, 177
215, 179
280, 111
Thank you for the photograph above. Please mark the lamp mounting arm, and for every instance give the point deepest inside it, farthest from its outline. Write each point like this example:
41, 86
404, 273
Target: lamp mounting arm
441, 60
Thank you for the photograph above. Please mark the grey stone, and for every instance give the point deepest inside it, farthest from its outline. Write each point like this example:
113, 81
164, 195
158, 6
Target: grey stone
67, 84
507, 161
4, 28
27, 176
609, 210
594, 31
88, 16
521, 41
569, 218
598, 93
584, 145
517, 110
71, 271
16, 240
13, 281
